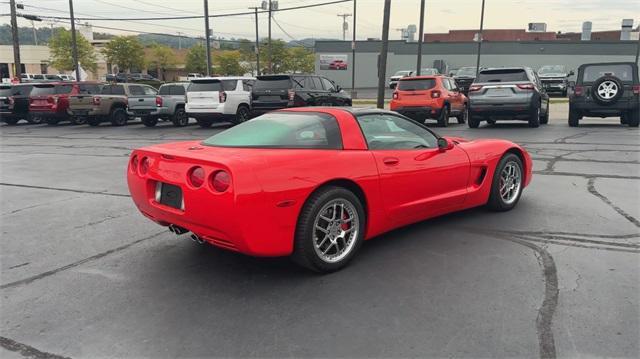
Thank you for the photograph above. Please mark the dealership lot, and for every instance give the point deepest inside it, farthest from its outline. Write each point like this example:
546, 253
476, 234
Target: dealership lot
85, 275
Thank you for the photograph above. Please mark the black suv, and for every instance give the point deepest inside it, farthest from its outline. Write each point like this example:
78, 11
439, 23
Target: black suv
606, 90
14, 104
272, 92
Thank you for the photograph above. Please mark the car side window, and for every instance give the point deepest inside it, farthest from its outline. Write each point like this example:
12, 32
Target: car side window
148, 90
316, 82
229, 85
327, 85
247, 85
136, 90
389, 132
177, 90
298, 82
117, 90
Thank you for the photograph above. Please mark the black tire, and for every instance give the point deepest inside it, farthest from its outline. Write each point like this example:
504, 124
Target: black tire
623, 118
496, 201
77, 120
473, 122
574, 117
205, 122
33, 119
149, 121
534, 116
52, 121
443, 119
597, 96
544, 120
633, 118
93, 121
11, 121
464, 116
180, 117
491, 122
242, 114
564, 93
118, 117
304, 252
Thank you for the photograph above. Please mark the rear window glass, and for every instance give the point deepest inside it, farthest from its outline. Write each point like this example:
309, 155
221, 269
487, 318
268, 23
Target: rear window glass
502, 76
5, 91
416, 84
203, 86
623, 71
22, 90
177, 90
136, 90
275, 82
88, 89
43, 90
282, 130
38, 77
63, 89
112, 90
167, 90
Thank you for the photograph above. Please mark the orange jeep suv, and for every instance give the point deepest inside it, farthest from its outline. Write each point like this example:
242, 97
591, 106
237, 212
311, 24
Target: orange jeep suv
430, 97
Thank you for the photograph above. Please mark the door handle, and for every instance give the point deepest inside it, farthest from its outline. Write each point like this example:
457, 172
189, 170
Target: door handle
390, 161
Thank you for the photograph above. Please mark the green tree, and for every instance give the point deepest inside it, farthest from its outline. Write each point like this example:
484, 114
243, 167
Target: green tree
126, 52
228, 63
162, 57
62, 53
247, 55
196, 60
299, 60
279, 54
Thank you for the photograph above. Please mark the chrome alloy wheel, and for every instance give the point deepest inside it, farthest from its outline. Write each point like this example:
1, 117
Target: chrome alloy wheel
607, 90
510, 182
335, 230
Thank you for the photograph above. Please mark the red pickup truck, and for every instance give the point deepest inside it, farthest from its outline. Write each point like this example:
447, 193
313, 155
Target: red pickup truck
50, 101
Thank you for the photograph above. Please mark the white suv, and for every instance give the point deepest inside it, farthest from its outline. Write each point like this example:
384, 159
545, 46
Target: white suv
219, 98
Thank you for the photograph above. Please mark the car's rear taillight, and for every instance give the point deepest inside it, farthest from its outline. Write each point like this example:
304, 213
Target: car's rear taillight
435, 94
158, 101
578, 90
292, 95
144, 166
395, 95
636, 89
196, 177
52, 99
528, 86
222, 96
96, 101
474, 88
220, 181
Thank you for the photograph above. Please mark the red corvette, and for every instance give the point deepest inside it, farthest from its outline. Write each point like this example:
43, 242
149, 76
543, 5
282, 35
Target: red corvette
315, 182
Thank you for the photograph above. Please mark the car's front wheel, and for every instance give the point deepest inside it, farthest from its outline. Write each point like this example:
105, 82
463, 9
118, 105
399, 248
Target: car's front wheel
464, 115
507, 184
330, 230
443, 120
119, 117
180, 118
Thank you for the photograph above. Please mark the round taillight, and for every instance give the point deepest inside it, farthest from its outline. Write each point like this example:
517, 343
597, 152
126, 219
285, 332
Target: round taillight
196, 177
220, 181
134, 163
144, 166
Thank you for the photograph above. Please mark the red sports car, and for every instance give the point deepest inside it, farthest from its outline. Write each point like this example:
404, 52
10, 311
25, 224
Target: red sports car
338, 65
315, 182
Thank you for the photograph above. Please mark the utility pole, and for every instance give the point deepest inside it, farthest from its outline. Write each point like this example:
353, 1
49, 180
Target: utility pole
207, 36
270, 52
382, 66
74, 43
638, 51
480, 39
35, 34
17, 69
345, 25
180, 40
420, 36
257, 47
354, 94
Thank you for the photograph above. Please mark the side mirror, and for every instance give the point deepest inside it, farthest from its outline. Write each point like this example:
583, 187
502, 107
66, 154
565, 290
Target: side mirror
444, 144
571, 73
338, 88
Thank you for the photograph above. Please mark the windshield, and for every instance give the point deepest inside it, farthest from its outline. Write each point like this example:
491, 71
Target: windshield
402, 73
416, 84
466, 71
622, 71
282, 130
552, 69
272, 82
203, 86
506, 75
5, 91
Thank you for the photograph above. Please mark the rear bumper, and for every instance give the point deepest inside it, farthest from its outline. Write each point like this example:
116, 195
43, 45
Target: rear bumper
84, 112
586, 107
419, 112
220, 109
48, 113
140, 112
501, 107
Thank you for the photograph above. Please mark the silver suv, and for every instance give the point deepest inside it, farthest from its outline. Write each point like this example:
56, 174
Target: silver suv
513, 93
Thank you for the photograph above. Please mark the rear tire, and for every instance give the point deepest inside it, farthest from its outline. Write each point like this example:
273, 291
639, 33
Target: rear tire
149, 121
443, 119
75, 120
324, 214
491, 122
205, 122
464, 116
52, 121
574, 118
242, 114
11, 121
119, 117
544, 120
473, 122
633, 118
180, 118
33, 119
507, 183
534, 117
93, 121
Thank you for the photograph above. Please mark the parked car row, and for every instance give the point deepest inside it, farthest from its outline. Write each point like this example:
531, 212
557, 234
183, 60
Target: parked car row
45, 77
206, 99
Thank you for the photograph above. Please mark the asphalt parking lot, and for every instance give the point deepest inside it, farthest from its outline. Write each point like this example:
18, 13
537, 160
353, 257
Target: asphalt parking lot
85, 275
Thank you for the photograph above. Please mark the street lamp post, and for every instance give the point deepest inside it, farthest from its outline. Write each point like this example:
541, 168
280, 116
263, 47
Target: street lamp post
16, 42
420, 35
74, 43
480, 39
382, 68
207, 36
353, 55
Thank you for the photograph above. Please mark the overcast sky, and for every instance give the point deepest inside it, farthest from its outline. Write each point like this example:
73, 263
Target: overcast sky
323, 22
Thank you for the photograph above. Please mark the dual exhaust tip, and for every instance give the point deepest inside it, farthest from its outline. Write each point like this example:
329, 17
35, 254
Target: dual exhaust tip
179, 230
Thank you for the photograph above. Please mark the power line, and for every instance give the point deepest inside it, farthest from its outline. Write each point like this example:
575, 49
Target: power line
198, 16
291, 37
